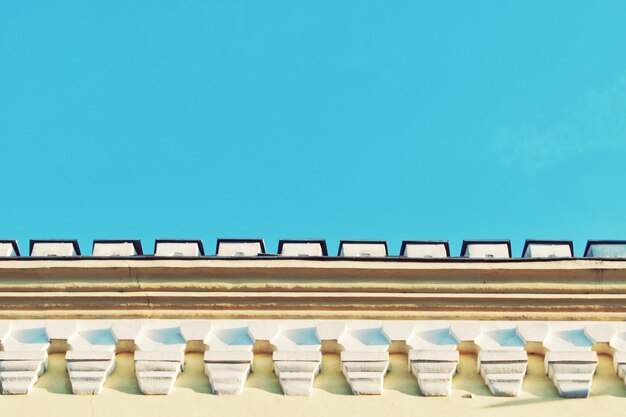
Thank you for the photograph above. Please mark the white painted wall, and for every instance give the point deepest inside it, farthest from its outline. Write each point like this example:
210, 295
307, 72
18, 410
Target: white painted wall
542, 250
239, 249
300, 249
6, 249
114, 249
487, 250
53, 249
426, 250
177, 249
363, 249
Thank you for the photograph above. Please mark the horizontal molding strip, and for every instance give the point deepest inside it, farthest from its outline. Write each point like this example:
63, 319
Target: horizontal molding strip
577, 289
316, 305
301, 275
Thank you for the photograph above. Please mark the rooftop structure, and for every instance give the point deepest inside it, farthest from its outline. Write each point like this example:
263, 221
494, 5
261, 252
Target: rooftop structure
486, 249
425, 249
104, 247
362, 248
605, 249
302, 247
240, 247
178, 247
9, 248
54, 247
548, 249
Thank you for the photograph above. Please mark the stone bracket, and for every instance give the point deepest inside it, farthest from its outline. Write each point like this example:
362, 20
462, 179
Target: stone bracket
434, 370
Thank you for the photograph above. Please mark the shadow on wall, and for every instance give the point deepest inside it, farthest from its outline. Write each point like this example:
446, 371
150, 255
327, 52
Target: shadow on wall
331, 379
55, 380
537, 386
123, 378
399, 378
467, 380
194, 377
262, 376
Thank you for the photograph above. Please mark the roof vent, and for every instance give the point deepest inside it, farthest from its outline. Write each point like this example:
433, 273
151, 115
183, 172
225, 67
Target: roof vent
362, 248
9, 248
425, 249
116, 248
606, 249
548, 249
298, 247
240, 247
178, 247
62, 248
486, 249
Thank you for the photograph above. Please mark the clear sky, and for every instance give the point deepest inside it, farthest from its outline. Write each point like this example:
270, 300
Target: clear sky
333, 119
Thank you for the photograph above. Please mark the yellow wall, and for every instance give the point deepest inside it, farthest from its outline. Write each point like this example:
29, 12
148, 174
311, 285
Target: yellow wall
262, 396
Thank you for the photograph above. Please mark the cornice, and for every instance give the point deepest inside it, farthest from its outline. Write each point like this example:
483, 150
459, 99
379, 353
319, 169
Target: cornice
273, 288
431, 350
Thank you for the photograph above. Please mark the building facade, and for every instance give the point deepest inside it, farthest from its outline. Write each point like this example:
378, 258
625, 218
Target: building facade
244, 332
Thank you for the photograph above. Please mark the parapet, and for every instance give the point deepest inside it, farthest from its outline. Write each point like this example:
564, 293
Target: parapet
365, 250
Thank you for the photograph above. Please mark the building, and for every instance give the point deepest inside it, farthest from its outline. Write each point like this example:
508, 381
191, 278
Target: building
245, 332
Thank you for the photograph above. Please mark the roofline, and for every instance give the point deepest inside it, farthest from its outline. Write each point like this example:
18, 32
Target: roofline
136, 243
602, 242
528, 242
445, 243
74, 243
367, 242
196, 241
268, 256
322, 243
486, 241
13, 243
238, 240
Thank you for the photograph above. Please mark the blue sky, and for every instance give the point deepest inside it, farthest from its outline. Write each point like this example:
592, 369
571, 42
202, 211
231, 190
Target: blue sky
284, 119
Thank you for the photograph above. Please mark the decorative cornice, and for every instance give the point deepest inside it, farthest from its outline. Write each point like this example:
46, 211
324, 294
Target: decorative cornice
432, 348
308, 288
